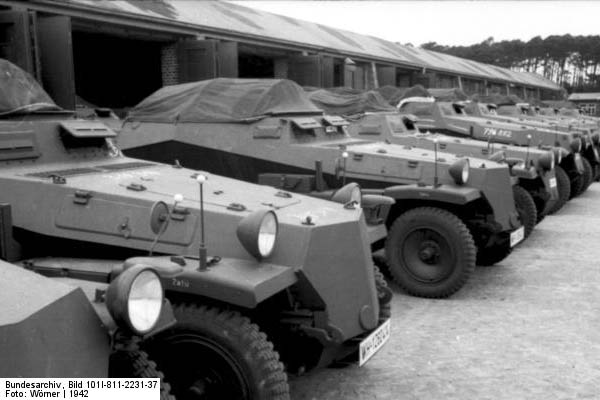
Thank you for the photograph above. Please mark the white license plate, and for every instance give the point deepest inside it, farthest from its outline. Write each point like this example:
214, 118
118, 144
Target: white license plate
517, 236
552, 182
375, 341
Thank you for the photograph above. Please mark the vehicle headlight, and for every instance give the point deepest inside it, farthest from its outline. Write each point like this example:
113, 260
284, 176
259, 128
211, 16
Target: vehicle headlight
576, 145
459, 171
135, 298
258, 233
557, 155
350, 193
546, 161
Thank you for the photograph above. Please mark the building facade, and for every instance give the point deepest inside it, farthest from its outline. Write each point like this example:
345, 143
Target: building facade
115, 53
588, 103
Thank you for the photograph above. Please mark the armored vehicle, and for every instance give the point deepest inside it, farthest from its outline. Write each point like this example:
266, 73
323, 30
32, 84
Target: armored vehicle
449, 118
590, 140
377, 120
268, 131
232, 256
49, 328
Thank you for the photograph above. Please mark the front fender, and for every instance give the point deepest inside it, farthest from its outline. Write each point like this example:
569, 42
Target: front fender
443, 193
245, 283
523, 173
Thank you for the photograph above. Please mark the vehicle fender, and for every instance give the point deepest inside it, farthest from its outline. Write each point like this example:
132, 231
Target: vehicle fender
244, 283
444, 193
523, 173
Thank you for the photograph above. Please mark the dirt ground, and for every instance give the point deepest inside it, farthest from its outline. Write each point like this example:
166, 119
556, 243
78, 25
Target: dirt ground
527, 328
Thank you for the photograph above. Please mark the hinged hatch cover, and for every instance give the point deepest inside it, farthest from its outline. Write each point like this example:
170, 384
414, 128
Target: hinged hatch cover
306, 123
87, 129
335, 120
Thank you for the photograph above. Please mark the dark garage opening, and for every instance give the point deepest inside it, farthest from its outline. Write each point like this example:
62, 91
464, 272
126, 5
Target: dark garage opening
255, 66
114, 71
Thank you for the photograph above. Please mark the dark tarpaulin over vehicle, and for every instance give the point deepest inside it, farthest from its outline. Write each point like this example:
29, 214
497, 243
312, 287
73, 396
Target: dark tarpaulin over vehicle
19, 91
453, 94
498, 99
346, 102
560, 104
223, 100
393, 94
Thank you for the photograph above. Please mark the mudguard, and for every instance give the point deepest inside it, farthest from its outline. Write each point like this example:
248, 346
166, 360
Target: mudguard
523, 173
444, 193
244, 283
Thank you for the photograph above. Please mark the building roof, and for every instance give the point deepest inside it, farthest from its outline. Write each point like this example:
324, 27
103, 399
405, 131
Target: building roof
584, 96
231, 18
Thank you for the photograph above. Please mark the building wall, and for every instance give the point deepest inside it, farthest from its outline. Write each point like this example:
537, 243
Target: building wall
169, 64
589, 107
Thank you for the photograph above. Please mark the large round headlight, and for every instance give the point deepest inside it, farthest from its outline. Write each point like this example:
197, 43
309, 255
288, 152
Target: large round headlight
349, 193
459, 171
134, 299
576, 145
258, 233
546, 161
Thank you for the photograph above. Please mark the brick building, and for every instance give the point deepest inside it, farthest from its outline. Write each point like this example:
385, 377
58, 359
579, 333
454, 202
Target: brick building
114, 53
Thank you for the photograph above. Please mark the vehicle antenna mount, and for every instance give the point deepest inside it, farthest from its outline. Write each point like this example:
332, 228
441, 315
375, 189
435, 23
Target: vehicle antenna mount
202, 254
528, 145
435, 163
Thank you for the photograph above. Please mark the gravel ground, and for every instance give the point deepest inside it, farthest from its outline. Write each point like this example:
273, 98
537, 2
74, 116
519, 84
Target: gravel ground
527, 328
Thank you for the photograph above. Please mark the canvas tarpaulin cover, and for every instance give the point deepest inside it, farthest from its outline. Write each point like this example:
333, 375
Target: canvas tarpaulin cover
498, 99
346, 102
394, 95
560, 104
19, 92
453, 94
223, 100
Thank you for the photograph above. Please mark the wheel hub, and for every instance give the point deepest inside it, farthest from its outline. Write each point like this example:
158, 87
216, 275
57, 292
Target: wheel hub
429, 252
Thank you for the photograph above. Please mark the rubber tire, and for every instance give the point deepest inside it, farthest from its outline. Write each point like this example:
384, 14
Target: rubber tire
137, 364
525, 208
458, 236
563, 185
577, 184
384, 295
588, 174
239, 338
493, 254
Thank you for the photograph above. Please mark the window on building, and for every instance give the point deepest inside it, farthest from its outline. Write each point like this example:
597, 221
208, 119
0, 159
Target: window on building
588, 108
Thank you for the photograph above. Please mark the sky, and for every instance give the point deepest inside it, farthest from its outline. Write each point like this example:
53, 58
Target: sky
445, 22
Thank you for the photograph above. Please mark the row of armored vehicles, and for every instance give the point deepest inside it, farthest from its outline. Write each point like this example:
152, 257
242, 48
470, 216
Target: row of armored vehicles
230, 232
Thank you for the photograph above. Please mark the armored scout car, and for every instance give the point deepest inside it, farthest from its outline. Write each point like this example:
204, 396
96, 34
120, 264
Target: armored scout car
553, 132
268, 131
232, 256
372, 118
449, 118
49, 327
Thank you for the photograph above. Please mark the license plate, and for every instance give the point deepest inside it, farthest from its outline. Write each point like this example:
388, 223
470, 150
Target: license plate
375, 341
552, 182
517, 236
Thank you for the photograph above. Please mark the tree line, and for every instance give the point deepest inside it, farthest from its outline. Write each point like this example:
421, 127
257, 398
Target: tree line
571, 61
